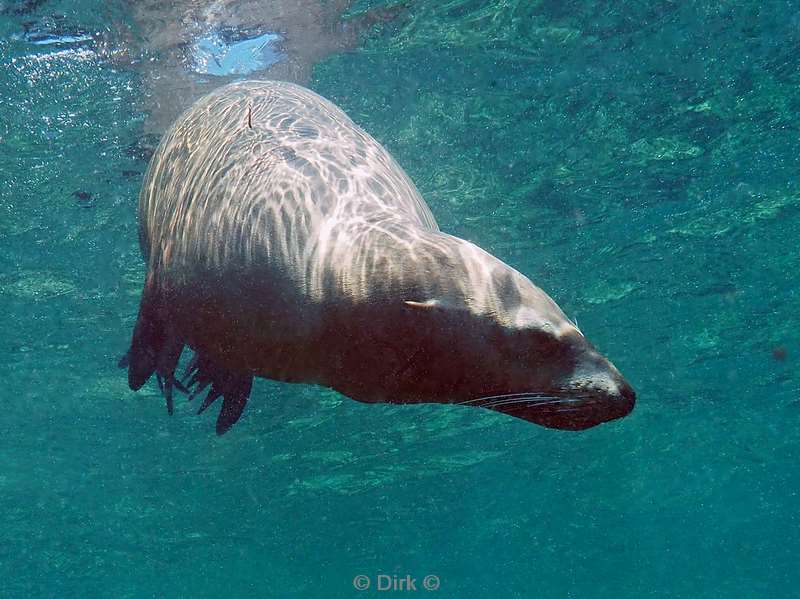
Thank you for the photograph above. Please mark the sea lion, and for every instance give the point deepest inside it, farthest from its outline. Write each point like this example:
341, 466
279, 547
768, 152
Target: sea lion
283, 241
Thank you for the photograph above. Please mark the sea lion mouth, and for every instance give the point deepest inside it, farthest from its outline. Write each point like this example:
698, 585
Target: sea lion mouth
564, 410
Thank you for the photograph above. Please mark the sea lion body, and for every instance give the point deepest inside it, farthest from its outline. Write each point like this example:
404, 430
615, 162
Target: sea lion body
283, 241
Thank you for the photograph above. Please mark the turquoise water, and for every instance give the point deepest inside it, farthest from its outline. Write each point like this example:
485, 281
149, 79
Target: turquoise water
640, 164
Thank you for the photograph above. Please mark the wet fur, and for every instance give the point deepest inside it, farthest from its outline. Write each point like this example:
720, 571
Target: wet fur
283, 241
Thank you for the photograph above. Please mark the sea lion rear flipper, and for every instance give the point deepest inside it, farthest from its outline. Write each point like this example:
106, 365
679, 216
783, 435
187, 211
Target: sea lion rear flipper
234, 388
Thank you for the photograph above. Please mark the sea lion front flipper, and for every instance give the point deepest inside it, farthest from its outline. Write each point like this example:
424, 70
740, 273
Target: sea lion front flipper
155, 348
148, 339
233, 387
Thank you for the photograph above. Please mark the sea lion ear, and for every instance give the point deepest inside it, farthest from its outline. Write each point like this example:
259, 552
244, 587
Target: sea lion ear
430, 304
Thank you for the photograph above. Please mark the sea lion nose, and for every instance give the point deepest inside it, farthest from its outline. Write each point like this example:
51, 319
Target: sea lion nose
627, 398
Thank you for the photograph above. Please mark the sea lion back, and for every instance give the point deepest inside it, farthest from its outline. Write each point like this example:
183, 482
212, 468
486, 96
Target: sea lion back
250, 171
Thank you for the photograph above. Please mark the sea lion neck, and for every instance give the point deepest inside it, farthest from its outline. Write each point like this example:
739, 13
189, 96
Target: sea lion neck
429, 268
391, 259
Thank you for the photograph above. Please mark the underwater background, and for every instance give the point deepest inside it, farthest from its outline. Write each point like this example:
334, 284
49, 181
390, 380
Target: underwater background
639, 161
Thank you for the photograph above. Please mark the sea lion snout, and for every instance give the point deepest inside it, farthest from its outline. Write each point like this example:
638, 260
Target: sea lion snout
601, 393
601, 404
585, 388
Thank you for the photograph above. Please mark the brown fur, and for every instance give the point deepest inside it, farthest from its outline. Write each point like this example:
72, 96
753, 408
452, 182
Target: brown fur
283, 241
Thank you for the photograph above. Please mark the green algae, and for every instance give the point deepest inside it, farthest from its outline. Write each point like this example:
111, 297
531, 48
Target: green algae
752, 210
609, 292
39, 286
663, 148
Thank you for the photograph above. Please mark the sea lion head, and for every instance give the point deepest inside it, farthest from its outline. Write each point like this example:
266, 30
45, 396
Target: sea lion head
556, 378
482, 334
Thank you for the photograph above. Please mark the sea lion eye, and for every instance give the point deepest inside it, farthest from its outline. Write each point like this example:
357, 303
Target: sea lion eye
544, 344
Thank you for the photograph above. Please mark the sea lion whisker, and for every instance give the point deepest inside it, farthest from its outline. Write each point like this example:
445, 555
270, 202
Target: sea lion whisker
538, 401
504, 396
559, 407
529, 401
569, 395
556, 406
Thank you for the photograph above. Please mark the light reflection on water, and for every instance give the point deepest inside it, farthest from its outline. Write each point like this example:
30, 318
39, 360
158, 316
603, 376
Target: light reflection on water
223, 53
